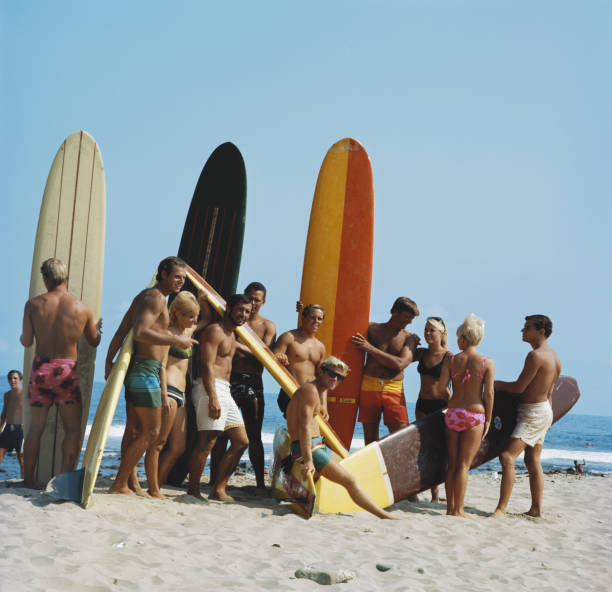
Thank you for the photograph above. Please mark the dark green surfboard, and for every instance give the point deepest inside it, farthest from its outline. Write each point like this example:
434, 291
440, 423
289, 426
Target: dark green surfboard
212, 244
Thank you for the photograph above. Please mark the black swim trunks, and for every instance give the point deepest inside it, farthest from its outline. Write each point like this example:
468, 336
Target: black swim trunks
246, 388
283, 402
429, 406
11, 437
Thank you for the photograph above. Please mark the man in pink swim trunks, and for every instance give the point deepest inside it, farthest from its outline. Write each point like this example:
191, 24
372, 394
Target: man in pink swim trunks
534, 418
56, 320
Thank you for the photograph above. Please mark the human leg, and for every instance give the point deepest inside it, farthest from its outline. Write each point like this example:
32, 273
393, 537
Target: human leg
177, 441
197, 462
253, 414
71, 415
238, 444
452, 448
31, 446
216, 456
507, 459
151, 461
536, 478
469, 442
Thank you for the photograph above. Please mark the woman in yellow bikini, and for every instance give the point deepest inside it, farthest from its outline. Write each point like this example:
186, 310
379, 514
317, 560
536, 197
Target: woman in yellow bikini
469, 410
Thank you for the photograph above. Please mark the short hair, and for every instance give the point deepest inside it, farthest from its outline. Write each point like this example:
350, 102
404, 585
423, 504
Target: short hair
333, 362
255, 287
404, 304
236, 299
439, 324
540, 321
472, 329
167, 265
308, 309
184, 301
15, 372
54, 271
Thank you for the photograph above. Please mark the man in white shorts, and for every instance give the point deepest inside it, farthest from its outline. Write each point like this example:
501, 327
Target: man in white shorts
216, 411
534, 418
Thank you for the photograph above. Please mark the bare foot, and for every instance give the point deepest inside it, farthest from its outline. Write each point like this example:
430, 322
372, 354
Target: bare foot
498, 513
221, 496
156, 494
120, 490
533, 513
389, 517
196, 494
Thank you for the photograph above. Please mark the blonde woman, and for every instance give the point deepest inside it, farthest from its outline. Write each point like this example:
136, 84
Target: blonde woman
468, 416
433, 395
183, 313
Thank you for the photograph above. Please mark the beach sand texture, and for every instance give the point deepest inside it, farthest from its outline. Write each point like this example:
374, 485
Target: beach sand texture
130, 543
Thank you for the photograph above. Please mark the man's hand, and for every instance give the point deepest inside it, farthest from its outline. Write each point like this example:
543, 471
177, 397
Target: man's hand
487, 425
324, 413
214, 409
165, 405
360, 342
307, 469
282, 359
184, 342
413, 341
299, 305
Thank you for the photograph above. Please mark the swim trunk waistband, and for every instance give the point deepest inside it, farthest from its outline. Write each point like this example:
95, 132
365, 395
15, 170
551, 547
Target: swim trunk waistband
142, 384
54, 381
373, 383
321, 454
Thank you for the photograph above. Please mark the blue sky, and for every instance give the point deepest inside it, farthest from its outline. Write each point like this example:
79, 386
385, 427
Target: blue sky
488, 126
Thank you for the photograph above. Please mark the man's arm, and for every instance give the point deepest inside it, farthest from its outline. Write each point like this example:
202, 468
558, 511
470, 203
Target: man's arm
393, 362
92, 331
488, 393
3, 415
280, 348
323, 412
163, 380
530, 369
27, 331
305, 416
209, 347
269, 335
117, 340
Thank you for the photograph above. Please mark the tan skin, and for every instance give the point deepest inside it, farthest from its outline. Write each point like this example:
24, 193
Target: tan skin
56, 320
148, 317
301, 352
218, 345
431, 389
536, 382
302, 412
173, 425
11, 412
475, 395
389, 348
245, 362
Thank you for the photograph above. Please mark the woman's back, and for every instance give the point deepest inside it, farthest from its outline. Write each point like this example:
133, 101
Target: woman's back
467, 372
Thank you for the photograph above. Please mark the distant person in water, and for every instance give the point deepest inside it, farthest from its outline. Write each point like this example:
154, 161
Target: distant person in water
216, 410
246, 386
11, 430
308, 446
534, 418
183, 313
55, 320
468, 416
145, 383
389, 349
301, 352
432, 396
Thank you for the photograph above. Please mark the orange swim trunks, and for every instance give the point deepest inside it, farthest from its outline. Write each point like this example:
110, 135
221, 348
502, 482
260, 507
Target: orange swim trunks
382, 396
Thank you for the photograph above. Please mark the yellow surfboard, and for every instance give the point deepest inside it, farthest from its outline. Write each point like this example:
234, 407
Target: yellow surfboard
71, 227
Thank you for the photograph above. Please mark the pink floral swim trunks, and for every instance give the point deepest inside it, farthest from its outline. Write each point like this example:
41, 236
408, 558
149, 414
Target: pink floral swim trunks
54, 381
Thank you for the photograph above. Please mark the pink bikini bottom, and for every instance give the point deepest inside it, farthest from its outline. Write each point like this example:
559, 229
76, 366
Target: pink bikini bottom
459, 419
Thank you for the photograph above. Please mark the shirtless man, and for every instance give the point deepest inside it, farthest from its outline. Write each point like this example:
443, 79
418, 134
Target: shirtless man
540, 373
389, 348
145, 384
307, 444
56, 320
216, 410
11, 436
302, 352
246, 387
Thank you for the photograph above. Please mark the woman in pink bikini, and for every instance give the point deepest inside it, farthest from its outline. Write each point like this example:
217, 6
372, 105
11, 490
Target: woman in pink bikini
469, 409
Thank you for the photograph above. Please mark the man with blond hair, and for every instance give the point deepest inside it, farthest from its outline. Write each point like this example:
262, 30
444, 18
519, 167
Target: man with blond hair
56, 320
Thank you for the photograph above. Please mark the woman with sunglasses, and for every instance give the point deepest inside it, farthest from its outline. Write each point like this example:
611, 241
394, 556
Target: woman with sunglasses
433, 396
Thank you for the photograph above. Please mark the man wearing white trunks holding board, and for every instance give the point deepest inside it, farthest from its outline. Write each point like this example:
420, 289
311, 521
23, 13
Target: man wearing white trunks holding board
534, 418
216, 410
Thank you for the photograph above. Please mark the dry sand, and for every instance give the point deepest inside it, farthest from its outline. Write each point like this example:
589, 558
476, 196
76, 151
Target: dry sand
130, 543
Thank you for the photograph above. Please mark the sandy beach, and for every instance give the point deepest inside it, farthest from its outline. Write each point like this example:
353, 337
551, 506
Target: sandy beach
131, 543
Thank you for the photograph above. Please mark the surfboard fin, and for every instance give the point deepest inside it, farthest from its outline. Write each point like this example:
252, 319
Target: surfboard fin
67, 486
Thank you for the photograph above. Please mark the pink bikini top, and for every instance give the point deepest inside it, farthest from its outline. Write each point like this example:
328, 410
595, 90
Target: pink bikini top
467, 374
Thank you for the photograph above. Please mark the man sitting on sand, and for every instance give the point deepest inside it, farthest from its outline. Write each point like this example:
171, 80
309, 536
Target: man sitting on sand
308, 446
302, 352
534, 418
216, 410
389, 348
11, 436
145, 384
56, 320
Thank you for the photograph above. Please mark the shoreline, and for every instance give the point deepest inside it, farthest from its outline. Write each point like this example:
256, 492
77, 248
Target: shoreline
131, 543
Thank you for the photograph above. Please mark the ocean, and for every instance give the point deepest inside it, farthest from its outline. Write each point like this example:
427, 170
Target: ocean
578, 437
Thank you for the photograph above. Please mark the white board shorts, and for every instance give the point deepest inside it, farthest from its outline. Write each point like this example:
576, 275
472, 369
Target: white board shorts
230, 414
532, 422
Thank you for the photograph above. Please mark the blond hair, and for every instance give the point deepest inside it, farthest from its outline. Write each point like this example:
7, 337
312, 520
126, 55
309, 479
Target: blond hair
440, 325
54, 271
185, 301
472, 329
333, 362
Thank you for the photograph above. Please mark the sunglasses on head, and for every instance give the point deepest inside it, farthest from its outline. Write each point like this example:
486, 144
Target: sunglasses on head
333, 374
439, 319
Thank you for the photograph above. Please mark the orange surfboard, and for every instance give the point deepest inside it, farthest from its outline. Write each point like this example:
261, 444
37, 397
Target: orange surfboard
337, 270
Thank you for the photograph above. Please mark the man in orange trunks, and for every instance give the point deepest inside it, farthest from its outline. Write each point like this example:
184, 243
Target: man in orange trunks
389, 348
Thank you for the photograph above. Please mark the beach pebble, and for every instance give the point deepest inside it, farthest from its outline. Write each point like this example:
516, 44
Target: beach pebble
324, 575
421, 570
383, 566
